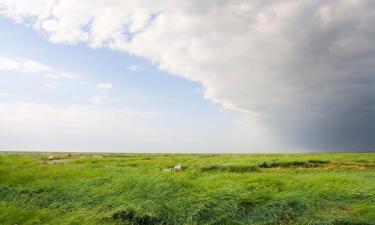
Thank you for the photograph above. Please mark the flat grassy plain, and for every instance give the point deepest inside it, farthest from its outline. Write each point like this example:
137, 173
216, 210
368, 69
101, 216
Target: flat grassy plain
93, 188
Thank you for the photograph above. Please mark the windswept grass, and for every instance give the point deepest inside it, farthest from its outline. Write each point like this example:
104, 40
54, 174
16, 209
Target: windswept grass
212, 189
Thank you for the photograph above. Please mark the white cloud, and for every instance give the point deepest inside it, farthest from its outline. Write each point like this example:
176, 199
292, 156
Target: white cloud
301, 69
31, 126
75, 127
33, 67
104, 86
134, 68
97, 99
51, 86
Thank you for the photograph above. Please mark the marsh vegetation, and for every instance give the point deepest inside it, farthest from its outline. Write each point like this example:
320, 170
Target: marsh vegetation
94, 188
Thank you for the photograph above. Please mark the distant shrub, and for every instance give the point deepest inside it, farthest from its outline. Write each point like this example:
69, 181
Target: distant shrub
308, 164
132, 164
315, 161
229, 168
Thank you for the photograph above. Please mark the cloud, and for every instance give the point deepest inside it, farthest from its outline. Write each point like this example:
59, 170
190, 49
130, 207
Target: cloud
104, 86
32, 126
79, 127
50, 86
97, 99
302, 70
33, 67
134, 68
102, 97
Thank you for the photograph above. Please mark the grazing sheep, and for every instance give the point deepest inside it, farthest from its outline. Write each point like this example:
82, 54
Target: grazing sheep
178, 167
51, 157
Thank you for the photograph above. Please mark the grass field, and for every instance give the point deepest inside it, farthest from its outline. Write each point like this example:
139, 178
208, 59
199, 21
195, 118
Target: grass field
211, 189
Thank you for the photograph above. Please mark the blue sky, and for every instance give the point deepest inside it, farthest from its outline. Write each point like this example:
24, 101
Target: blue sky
136, 84
187, 76
147, 88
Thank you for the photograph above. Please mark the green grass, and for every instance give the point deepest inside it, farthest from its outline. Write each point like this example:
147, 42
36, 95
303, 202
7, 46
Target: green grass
211, 189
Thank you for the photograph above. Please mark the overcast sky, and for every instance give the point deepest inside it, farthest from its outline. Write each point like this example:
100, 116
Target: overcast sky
187, 76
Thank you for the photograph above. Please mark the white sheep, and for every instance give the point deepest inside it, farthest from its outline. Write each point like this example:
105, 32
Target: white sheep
51, 157
178, 167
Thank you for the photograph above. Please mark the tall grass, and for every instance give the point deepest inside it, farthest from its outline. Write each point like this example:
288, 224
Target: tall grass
212, 189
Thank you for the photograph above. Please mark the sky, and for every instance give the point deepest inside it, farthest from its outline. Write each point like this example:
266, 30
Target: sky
187, 76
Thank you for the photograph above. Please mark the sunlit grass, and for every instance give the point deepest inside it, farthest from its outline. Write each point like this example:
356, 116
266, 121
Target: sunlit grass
211, 189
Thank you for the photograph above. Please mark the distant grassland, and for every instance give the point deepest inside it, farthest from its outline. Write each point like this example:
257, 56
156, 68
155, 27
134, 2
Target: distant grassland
212, 189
